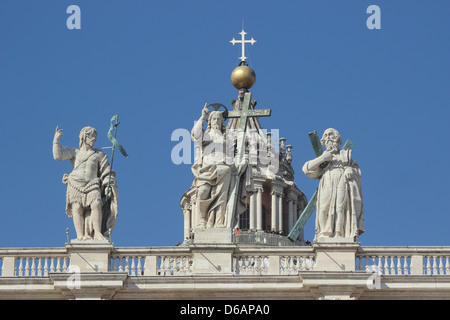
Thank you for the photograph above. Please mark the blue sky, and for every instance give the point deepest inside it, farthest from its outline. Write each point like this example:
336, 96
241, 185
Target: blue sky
155, 63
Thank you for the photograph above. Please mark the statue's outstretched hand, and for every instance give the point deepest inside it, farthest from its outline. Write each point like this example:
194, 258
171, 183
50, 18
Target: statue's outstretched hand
205, 111
243, 164
58, 134
348, 173
326, 156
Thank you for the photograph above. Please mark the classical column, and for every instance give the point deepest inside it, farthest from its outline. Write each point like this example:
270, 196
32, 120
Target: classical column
273, 220
259, 211
292, 209
294, 213
187, 220
194, 209
299, 212
280, 210
290, 214
253, 211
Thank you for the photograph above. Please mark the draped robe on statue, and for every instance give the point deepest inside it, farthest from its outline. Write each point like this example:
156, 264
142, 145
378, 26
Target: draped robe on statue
215, 171
339, 209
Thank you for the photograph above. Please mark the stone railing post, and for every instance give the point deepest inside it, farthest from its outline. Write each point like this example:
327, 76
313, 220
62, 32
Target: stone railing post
151, 266
212, 251
9, 265
336, 256
89, 275
416, 264
274, 265
90, 255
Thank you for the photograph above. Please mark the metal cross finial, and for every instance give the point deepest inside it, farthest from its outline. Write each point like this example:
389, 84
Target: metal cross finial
243, 42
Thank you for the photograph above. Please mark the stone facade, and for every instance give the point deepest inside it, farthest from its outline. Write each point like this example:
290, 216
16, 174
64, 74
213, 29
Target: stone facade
226, 271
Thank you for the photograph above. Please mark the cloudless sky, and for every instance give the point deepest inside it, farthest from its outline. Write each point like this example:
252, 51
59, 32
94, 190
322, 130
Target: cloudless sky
155, 64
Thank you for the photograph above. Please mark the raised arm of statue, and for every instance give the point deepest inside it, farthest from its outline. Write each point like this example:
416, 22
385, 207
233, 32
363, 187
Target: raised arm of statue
197, 130
312, 168
60, 153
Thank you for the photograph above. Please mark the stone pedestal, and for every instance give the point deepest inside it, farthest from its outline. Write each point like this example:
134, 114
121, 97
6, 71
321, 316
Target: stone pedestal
213, 236
88, 275
212, 251
212, 260
89, 255
335, 254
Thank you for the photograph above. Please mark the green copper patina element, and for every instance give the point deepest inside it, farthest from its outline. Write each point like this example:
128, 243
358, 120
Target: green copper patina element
114, 124
245, 112
315, 141
243, 116
115, 144
311, 206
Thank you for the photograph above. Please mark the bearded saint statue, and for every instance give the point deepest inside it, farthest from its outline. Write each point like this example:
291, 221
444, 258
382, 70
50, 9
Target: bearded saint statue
339, 208
213, 174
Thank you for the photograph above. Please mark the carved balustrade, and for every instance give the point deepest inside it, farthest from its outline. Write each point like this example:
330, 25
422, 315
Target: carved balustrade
246, 260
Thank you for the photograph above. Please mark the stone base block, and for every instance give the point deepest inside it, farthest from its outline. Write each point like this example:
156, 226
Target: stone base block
336, 256
212, 260
89, 255
213, 236
334, 240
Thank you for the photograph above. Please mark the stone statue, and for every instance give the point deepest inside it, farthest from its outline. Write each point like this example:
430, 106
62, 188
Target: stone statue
94, 217
213, 173
339, 209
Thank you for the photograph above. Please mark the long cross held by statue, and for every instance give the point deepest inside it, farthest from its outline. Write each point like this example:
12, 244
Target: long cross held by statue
246, 112
243, 116
115, 144
311, 206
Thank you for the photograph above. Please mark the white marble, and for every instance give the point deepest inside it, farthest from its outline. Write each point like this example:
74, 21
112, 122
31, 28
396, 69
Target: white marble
87, 186
339, 209
213, 174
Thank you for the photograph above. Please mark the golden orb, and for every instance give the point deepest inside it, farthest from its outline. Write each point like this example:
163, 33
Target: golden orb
243, 77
